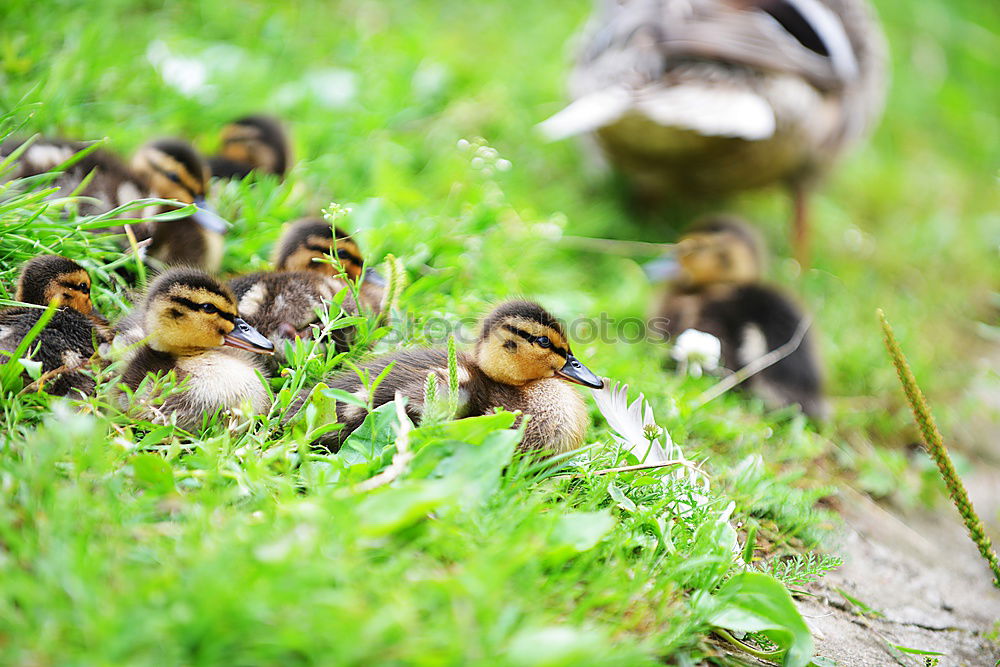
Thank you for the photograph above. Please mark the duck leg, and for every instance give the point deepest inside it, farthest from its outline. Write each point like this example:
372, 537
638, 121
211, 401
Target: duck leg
800, 223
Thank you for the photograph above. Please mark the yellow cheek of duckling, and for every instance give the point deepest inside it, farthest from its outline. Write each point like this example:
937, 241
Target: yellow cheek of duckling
191, 330
237, 151
164, 188
304, 259
352, 268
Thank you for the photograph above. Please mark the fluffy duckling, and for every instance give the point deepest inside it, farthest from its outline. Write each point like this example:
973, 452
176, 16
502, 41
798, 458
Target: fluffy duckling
113, 183
70, 337
521, 361
717, 291
284, 304
707, 97
173, 169
253, 143
165, 168
309, 243
190, 317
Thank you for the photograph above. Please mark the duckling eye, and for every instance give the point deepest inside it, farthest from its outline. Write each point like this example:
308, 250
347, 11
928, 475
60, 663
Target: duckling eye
84, 287
343, 254
173, 177
543, 341
209, 308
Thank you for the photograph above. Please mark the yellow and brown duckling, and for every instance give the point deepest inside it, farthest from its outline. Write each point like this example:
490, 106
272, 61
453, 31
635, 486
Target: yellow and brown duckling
165, 168
313, 263
254, 143
190, 318
707, 97
309, 244
173, 169
71, 337
521, 361
717, 289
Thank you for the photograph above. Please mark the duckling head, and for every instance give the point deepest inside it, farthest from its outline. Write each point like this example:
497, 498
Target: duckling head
188, 312
310, 240
259, 142
520, 342
720, 249
175, 170
49, 277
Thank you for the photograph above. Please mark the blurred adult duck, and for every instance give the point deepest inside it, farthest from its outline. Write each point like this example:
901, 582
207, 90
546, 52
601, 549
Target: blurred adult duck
699, 98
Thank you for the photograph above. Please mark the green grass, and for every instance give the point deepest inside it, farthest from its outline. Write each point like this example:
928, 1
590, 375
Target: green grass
244, 547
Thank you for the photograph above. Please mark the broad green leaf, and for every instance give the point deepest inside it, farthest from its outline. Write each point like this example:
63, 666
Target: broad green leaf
392, 509
471, 430
376, 433
153, 473
755, 602
580, 531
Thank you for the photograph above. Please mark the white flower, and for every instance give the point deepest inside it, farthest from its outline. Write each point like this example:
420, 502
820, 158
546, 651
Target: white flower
189, 76
697, 351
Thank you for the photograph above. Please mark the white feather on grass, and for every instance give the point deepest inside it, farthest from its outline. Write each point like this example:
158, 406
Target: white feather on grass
630, 424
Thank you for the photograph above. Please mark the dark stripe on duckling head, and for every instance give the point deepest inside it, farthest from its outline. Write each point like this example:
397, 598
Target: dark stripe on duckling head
298, 235
527, 310
562, 352
41, 272
191, 278
212, 308
186, 155
76, 286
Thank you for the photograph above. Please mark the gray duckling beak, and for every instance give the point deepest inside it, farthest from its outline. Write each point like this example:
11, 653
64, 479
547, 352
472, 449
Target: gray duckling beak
577, 373
208, 218
245, 337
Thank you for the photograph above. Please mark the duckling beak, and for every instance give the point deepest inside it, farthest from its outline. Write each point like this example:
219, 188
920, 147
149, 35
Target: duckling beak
373, 277
208, 218
245, 337
662, 268
577, 373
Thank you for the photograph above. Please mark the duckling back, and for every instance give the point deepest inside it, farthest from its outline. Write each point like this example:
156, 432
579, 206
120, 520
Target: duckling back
66, 343
750, 321
113, 183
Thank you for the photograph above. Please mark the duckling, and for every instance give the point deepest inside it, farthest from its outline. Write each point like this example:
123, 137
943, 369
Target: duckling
707, 97
165, 168
113, 183
718, 291
284, 304
190, 317
175, 170
70, 338
253, 143
521, 361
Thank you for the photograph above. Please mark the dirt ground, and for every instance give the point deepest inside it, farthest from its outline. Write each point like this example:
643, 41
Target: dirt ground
922, 574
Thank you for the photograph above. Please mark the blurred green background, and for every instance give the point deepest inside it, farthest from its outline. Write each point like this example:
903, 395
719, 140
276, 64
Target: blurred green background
378, 95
